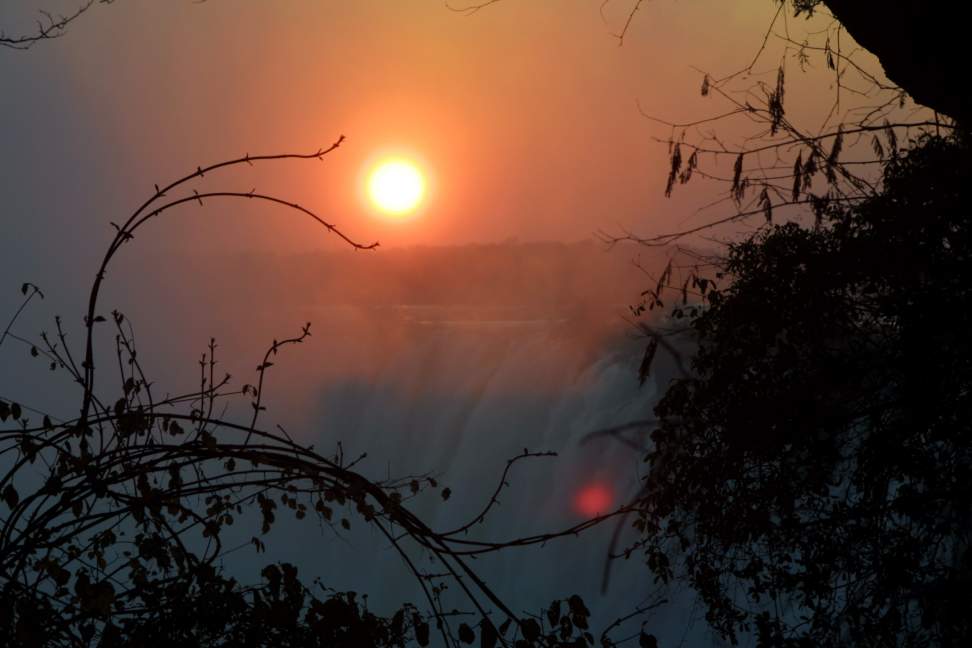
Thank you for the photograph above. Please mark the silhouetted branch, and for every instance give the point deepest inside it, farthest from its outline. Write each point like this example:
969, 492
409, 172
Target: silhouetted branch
494, 498
126, 232
29, 291
170, 475
49, 27
470, 9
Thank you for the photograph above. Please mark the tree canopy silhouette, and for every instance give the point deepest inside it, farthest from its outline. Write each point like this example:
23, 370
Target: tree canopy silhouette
810, 480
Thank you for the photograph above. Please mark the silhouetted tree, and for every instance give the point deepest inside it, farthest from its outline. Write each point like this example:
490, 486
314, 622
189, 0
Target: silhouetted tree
808, 478
811, 479
113, 527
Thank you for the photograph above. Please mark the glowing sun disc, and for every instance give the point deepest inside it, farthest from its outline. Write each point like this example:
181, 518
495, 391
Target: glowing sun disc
396, 186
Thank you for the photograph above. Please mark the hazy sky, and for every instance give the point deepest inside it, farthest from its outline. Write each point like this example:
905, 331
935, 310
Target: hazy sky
525, 117
524, 114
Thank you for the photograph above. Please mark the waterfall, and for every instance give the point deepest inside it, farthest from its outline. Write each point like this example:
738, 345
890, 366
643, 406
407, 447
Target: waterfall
444, 362
455, 393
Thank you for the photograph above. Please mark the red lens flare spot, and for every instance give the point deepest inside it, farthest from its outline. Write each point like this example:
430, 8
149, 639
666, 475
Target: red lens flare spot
594, 500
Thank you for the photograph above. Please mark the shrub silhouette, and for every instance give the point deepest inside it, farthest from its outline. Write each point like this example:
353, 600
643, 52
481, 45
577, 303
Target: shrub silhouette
114, 519
810, 478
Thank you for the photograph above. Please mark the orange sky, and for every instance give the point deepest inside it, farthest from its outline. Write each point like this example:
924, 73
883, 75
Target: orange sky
524, 114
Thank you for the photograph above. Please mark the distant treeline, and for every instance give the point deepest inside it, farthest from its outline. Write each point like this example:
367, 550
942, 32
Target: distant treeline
546, 275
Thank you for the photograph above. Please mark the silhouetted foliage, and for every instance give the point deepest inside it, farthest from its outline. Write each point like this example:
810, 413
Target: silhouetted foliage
780, 170
811, 479
113, 532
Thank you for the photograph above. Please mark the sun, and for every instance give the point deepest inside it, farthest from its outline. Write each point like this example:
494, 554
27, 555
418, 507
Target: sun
396, 186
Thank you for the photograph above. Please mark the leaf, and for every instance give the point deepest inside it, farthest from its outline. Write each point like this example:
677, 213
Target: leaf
892, 138
645, 368
208, 440
446, 493
834, 155
11, 496
797, 176
580, 620
324, 510
767, 204
775, 103
531, 630
488, 637
666, 275
705, 86
878, 148
737, 187
810, 168
15, 410
676, 161
647, 640
693, 163
577, 606
466, 634
421, 630
553, 613
61, 576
